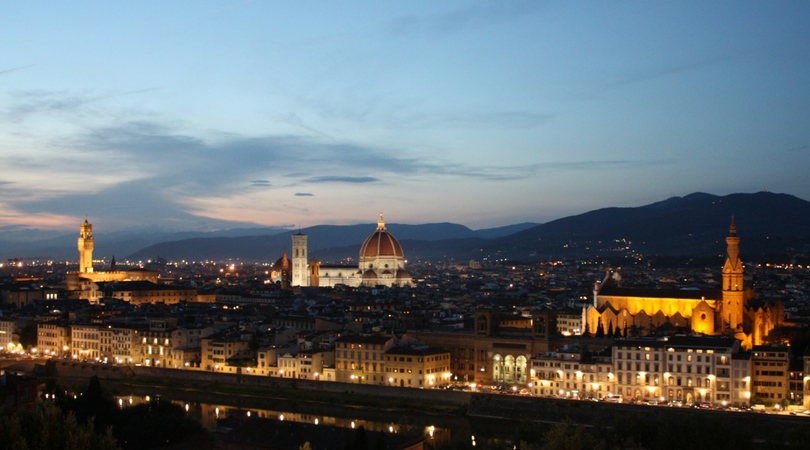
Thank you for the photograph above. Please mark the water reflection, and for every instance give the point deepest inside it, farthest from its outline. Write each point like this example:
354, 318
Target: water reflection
208, 414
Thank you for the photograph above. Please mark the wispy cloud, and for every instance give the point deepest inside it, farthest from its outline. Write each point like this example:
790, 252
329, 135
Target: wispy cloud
508, 119
25, 103
608, 164
659, 72
296, 121
473, 17
304, 194
410, 116
16, 69
339, 179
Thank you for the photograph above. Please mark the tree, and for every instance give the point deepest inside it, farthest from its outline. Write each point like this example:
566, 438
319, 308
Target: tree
610, 329
45, 428
381, 445
94, 402
566, 436
254, 343
600, 329
360, 439
28, 335
167, 424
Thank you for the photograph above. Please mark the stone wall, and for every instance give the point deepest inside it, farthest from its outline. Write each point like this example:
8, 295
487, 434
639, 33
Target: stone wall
72, 369
428, 395
762, 426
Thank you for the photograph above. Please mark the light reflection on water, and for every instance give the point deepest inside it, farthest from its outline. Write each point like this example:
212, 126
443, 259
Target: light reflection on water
208, 414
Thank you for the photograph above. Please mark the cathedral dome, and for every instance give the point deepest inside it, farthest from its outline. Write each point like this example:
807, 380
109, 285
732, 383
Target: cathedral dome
381, 243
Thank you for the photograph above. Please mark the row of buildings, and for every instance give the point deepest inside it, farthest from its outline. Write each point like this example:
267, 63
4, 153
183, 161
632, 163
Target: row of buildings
681, 368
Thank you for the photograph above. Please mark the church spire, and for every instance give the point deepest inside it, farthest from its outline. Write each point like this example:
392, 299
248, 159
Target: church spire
381, 224
732, 231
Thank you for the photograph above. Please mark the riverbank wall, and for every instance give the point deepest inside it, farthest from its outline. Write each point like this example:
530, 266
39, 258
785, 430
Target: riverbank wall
58, 368
476, 405
763, 427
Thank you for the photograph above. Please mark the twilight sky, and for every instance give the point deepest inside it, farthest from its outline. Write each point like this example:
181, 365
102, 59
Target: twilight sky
223, 114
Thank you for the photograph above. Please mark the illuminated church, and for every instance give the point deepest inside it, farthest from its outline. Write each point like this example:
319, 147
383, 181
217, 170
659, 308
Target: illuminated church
381, 263
731, 310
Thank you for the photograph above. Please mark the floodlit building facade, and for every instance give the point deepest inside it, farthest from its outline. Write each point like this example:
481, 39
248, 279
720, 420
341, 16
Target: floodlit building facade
361, 358
53, 338
706, 311
381, 263
770, 366
417, 366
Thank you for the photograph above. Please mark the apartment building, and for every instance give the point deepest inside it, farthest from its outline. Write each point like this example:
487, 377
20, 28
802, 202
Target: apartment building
85, 342
361, 358
53, 337
770, 372
417, 366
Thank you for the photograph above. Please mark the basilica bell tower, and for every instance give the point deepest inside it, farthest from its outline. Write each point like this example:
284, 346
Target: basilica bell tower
732, 309
86, 245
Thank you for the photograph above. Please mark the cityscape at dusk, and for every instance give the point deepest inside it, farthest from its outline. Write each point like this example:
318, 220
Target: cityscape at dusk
405, 226
212, 115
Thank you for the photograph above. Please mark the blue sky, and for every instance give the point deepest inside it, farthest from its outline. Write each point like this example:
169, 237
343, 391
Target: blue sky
206, 115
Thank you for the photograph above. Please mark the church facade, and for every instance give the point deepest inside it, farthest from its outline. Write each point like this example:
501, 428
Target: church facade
381, 263
732, 310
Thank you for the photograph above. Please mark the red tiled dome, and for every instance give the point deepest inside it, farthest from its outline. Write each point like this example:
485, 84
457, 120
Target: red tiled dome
380, 243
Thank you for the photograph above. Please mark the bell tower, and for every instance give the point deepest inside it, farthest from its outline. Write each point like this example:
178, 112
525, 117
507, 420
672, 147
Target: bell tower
300, 271
86, 245
732, 309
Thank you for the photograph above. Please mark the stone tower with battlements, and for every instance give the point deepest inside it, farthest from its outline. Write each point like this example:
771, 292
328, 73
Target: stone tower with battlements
86, 246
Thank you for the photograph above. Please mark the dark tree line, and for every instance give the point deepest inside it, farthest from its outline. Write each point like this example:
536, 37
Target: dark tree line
166, 422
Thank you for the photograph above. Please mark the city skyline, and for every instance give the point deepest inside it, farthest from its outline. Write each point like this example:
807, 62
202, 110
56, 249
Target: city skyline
210, 115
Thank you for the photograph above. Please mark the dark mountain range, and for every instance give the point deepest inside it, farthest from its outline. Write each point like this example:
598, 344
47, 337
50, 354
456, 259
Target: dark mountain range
61, 246
328, 242
694, 225
697, 225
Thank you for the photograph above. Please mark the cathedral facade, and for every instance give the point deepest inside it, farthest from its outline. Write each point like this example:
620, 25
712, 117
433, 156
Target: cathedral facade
731, 310
381, 263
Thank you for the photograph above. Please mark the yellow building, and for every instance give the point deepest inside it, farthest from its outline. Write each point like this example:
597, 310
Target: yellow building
78, 281
806, 381
564, 373
53, 338
499, 349
418, 367
770, 373
85, 342
218, 352
361, 359
731, 310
